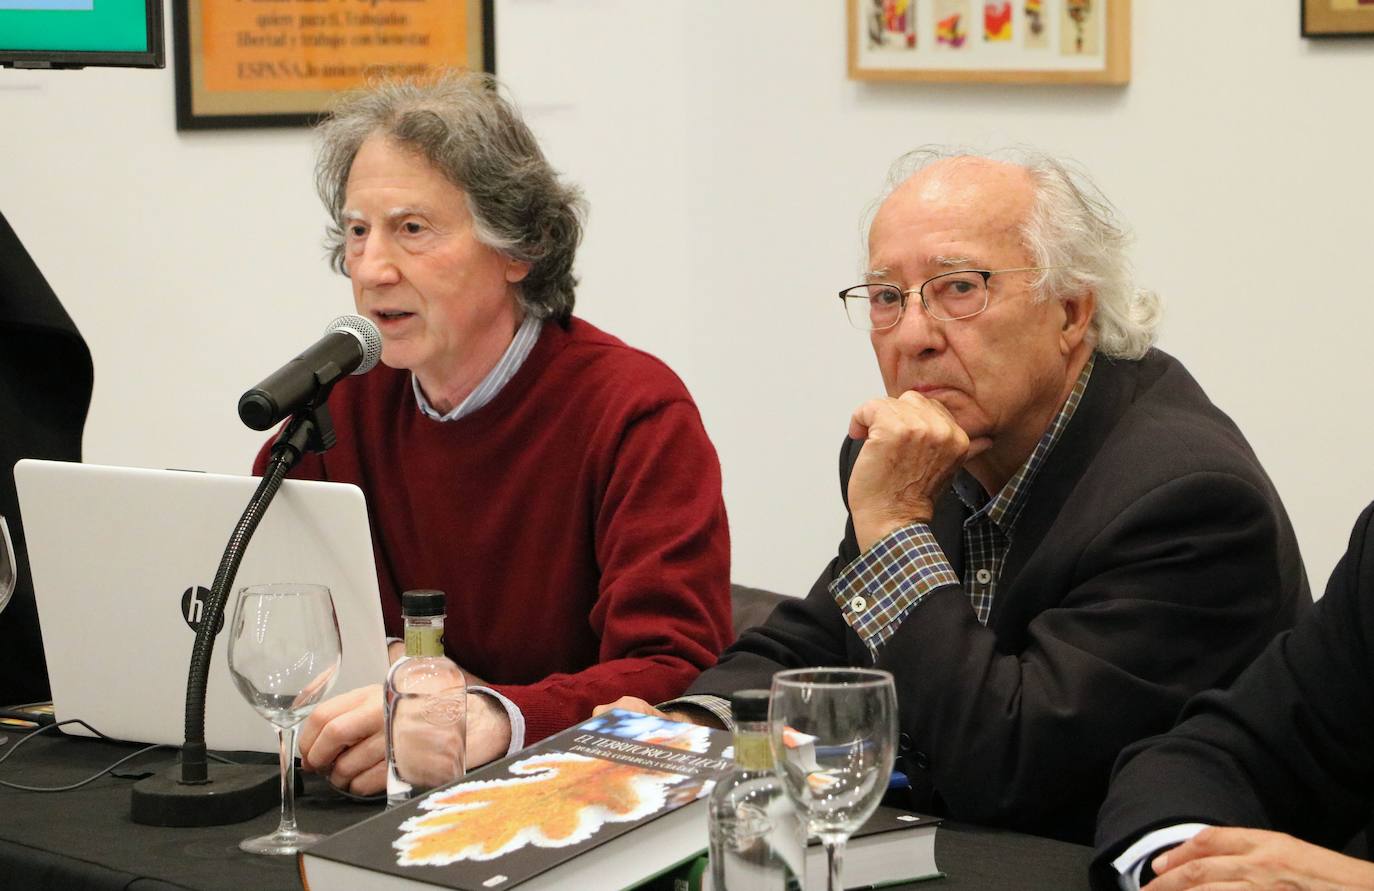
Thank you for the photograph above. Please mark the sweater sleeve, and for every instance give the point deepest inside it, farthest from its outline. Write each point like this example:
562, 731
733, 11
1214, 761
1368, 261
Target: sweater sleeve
662, 545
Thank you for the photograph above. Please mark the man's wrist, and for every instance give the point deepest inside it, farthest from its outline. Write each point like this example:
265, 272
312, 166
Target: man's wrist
695, 715
699, 708
489, 729
869, 530
1133, 864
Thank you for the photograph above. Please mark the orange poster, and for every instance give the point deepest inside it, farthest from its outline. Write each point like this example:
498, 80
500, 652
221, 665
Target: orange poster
270, 62
326, 44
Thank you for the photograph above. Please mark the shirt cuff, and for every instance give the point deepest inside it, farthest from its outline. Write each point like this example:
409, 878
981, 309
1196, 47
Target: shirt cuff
719, 707
877, 590
517, 718
1131, 862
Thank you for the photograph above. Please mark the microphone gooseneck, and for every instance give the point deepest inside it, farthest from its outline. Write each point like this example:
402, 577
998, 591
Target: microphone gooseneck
196, 793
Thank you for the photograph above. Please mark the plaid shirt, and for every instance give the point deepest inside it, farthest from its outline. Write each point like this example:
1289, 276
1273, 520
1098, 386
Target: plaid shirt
877, 591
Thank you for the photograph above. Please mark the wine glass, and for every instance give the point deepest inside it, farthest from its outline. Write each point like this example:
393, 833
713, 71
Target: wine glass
9, 576
834, 737
284, 655
9, 570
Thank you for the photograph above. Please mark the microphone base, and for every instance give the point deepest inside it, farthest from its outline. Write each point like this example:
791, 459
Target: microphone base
235, 793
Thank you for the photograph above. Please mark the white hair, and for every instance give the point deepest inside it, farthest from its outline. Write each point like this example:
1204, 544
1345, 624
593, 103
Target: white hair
1072, 226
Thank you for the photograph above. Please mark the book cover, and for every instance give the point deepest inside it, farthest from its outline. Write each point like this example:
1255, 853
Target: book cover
536, 812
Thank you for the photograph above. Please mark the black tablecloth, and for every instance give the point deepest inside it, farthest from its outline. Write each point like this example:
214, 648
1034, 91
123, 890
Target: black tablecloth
84, 839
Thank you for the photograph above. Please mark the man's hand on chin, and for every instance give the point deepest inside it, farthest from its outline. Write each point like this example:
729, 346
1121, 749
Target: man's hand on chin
912, 448
488, 730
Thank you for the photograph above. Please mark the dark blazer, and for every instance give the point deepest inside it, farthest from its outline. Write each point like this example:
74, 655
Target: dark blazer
45, 389
1152, 560
1289, 747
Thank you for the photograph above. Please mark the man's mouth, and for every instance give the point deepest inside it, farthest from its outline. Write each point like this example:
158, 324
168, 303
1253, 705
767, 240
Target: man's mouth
391, 315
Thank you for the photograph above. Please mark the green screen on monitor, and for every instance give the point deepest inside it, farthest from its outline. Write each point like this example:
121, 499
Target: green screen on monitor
73, 33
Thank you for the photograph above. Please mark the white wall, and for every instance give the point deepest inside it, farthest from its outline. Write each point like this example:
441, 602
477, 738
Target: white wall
727, 161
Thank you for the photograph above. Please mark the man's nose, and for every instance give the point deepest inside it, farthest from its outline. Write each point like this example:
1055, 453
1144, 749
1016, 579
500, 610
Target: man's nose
374, 266
917, 331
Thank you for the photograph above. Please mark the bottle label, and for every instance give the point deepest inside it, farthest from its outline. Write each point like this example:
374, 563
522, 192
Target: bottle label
427, 641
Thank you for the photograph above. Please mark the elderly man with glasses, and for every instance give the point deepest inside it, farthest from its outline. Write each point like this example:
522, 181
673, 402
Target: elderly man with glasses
1054, 536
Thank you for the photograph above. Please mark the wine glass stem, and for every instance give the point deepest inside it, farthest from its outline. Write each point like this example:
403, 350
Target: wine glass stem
834, 859
286, 742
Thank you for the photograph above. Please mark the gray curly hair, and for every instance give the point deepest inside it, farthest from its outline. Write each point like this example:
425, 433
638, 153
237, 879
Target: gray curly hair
462, 124
1073, 226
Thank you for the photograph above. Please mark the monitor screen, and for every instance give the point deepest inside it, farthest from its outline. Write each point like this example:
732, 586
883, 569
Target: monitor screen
77, 33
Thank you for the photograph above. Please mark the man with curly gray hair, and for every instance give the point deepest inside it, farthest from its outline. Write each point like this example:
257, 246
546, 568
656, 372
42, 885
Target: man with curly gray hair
558, 485
1054, 536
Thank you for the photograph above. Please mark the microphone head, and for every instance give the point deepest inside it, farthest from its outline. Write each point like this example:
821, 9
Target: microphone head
368, 336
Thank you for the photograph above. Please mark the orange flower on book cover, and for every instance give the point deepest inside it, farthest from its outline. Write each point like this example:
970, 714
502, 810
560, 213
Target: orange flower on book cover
557, 799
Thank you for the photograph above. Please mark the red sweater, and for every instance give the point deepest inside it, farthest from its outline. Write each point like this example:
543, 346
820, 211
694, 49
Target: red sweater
575, 522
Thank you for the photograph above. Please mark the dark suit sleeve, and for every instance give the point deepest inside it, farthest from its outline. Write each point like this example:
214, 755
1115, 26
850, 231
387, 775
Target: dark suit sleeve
1174, 593
799, 633
1288, 747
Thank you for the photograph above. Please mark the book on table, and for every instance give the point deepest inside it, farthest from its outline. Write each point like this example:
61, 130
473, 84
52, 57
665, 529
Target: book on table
893, 847
607, 804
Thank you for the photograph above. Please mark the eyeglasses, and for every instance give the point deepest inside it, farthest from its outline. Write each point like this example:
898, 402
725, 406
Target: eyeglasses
947, 297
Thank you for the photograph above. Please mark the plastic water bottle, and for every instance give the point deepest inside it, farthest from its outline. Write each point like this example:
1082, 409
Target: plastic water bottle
757, 839
426, 705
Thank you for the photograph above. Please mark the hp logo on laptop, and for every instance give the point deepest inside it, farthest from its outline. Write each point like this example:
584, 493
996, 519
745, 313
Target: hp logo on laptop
193, 605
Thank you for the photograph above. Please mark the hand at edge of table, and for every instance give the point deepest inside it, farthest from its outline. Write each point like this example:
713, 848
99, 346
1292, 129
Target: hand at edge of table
1231, 858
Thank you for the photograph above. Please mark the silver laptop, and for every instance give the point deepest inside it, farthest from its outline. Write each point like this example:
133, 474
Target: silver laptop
122, 561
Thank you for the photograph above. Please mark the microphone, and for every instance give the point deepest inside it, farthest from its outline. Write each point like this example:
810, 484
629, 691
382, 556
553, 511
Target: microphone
351, 345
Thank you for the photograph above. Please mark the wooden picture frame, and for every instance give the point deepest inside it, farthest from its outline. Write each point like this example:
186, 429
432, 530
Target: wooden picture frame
1338, 18
281, 64
990, 41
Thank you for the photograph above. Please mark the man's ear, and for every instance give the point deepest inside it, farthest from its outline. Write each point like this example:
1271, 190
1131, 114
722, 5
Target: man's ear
1078, 316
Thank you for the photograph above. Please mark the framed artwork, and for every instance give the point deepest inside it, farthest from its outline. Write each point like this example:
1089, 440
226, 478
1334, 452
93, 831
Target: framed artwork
280, 64
997, 41
1338, 18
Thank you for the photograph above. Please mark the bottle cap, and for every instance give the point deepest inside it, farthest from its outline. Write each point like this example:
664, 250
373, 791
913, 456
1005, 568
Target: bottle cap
749, 705
422, 603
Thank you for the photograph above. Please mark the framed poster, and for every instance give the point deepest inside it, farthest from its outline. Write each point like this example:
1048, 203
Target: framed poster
279, 64
1338, 18
999, 41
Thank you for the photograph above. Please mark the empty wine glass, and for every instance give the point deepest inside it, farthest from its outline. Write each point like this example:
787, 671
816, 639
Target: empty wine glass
9, 575
834, 736
284, 655
9, 570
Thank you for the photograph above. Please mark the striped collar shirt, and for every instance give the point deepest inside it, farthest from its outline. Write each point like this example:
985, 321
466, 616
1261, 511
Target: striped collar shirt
877, 591
519, 350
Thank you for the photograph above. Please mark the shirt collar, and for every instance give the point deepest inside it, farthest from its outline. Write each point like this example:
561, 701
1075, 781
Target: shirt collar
519, 350
1003, 508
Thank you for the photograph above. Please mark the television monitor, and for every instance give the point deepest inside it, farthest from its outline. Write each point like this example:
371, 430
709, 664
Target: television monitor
78, 33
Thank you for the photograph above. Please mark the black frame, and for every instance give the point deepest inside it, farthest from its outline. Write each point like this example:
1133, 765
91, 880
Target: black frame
188, 119
154, 57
